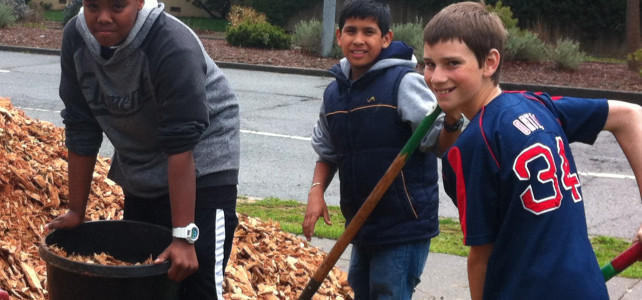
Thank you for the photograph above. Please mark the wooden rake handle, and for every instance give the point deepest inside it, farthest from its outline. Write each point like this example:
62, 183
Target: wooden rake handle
369, 205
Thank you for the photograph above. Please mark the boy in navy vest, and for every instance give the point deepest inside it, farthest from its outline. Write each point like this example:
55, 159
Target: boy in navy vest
511, 172
367, 115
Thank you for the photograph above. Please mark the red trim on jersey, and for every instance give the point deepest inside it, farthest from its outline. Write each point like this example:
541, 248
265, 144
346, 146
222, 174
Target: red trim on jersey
454, 158
554, 98
481, 128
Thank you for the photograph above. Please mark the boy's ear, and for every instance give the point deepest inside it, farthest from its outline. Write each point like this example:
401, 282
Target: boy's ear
492, 62
141, 3
387, 39
338, 34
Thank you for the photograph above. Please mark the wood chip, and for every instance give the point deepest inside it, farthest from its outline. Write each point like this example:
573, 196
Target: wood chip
265, 263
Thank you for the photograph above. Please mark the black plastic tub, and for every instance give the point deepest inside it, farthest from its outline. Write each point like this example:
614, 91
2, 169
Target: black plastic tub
128, 241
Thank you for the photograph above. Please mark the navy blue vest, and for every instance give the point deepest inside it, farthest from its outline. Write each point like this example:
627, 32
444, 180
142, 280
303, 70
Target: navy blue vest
368, 134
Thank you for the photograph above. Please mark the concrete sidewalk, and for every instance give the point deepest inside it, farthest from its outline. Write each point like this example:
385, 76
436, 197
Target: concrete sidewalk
445, 277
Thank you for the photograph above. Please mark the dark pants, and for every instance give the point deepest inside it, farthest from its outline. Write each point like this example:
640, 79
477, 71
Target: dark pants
216, 218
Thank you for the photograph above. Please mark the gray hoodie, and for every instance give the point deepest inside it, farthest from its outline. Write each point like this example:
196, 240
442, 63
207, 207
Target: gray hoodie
159, 94
415, 101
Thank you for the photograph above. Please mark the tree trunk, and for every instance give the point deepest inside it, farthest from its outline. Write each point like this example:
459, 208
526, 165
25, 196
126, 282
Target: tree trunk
633, 38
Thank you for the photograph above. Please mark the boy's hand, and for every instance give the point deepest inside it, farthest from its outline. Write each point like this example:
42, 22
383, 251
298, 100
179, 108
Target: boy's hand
183, 257
316, 208
70, 219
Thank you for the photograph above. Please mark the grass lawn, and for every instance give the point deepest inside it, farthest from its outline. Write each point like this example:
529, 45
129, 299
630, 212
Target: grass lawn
290, 213
53, 15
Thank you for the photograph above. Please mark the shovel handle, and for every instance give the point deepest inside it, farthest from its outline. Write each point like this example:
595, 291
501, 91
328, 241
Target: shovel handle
369, 205
4, 295
622, 261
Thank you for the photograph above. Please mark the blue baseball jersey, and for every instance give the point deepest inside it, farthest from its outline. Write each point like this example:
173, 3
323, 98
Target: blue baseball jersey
513, 178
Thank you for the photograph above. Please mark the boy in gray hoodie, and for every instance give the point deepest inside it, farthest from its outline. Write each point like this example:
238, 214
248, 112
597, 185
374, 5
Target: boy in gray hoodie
143, 79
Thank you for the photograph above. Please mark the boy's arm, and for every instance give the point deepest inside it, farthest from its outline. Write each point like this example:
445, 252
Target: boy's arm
477, 263
80, 171
625, 122
181, 176
323, 174
415, 100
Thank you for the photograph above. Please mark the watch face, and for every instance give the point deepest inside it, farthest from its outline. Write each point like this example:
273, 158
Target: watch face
194, 234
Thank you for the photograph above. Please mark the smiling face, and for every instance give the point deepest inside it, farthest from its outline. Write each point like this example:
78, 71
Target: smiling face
361, 42
110, 21
452, 72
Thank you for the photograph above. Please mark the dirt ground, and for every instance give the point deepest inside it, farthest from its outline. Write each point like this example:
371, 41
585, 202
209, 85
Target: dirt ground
603, 76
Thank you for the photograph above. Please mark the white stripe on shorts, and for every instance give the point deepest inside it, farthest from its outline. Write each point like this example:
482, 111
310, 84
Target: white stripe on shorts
220, 242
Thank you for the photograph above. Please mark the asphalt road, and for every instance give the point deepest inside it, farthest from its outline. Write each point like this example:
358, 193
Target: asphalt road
278, 112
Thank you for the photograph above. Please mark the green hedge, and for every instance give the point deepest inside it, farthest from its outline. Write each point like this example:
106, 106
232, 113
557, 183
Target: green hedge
583, 19
279, 11
260, 35
6, 15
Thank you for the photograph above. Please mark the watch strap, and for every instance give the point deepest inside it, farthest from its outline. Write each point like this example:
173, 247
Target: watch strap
189, 232
454, 127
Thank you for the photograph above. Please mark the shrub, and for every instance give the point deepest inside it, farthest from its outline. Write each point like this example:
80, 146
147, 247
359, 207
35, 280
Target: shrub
524, 45
307, 35
35, 13
635, 59
71, 10
504, 13
46, 6
279, 11
6, 15
413, 35
566, 54
261, 35
336, 51
238, 14
17, 8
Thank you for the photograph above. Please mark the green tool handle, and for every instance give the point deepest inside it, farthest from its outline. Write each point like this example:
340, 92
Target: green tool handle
369, 205
622, 261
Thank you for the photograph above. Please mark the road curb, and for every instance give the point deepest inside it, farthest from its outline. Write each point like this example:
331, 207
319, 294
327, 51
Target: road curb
632, 97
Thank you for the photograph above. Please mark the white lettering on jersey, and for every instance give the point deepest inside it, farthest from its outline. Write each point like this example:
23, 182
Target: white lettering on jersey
527, 123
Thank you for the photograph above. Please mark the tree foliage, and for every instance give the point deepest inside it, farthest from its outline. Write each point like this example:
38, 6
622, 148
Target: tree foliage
217, 9
589, 19
584, 19
279, 11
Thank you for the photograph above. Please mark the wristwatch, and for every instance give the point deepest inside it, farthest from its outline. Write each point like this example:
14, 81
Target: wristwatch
454, 127
188, 233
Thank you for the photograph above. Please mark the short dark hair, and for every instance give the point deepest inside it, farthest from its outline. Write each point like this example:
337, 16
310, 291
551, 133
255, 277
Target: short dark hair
471, 23
364, 9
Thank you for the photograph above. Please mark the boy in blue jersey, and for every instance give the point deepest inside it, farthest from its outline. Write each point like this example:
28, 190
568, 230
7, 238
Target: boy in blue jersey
511, 172
142, 78
367, 115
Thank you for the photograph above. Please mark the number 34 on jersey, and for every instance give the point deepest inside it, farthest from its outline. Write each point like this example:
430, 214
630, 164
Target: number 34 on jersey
536, 164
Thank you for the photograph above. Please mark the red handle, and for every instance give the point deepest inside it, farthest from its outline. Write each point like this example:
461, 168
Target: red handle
628, 257
4, 295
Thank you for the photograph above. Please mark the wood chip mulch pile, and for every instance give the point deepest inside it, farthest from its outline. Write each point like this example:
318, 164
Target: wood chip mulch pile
101, 258
266, 263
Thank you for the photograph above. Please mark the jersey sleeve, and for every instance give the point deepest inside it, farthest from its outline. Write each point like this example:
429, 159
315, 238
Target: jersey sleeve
581, 119
471, 180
